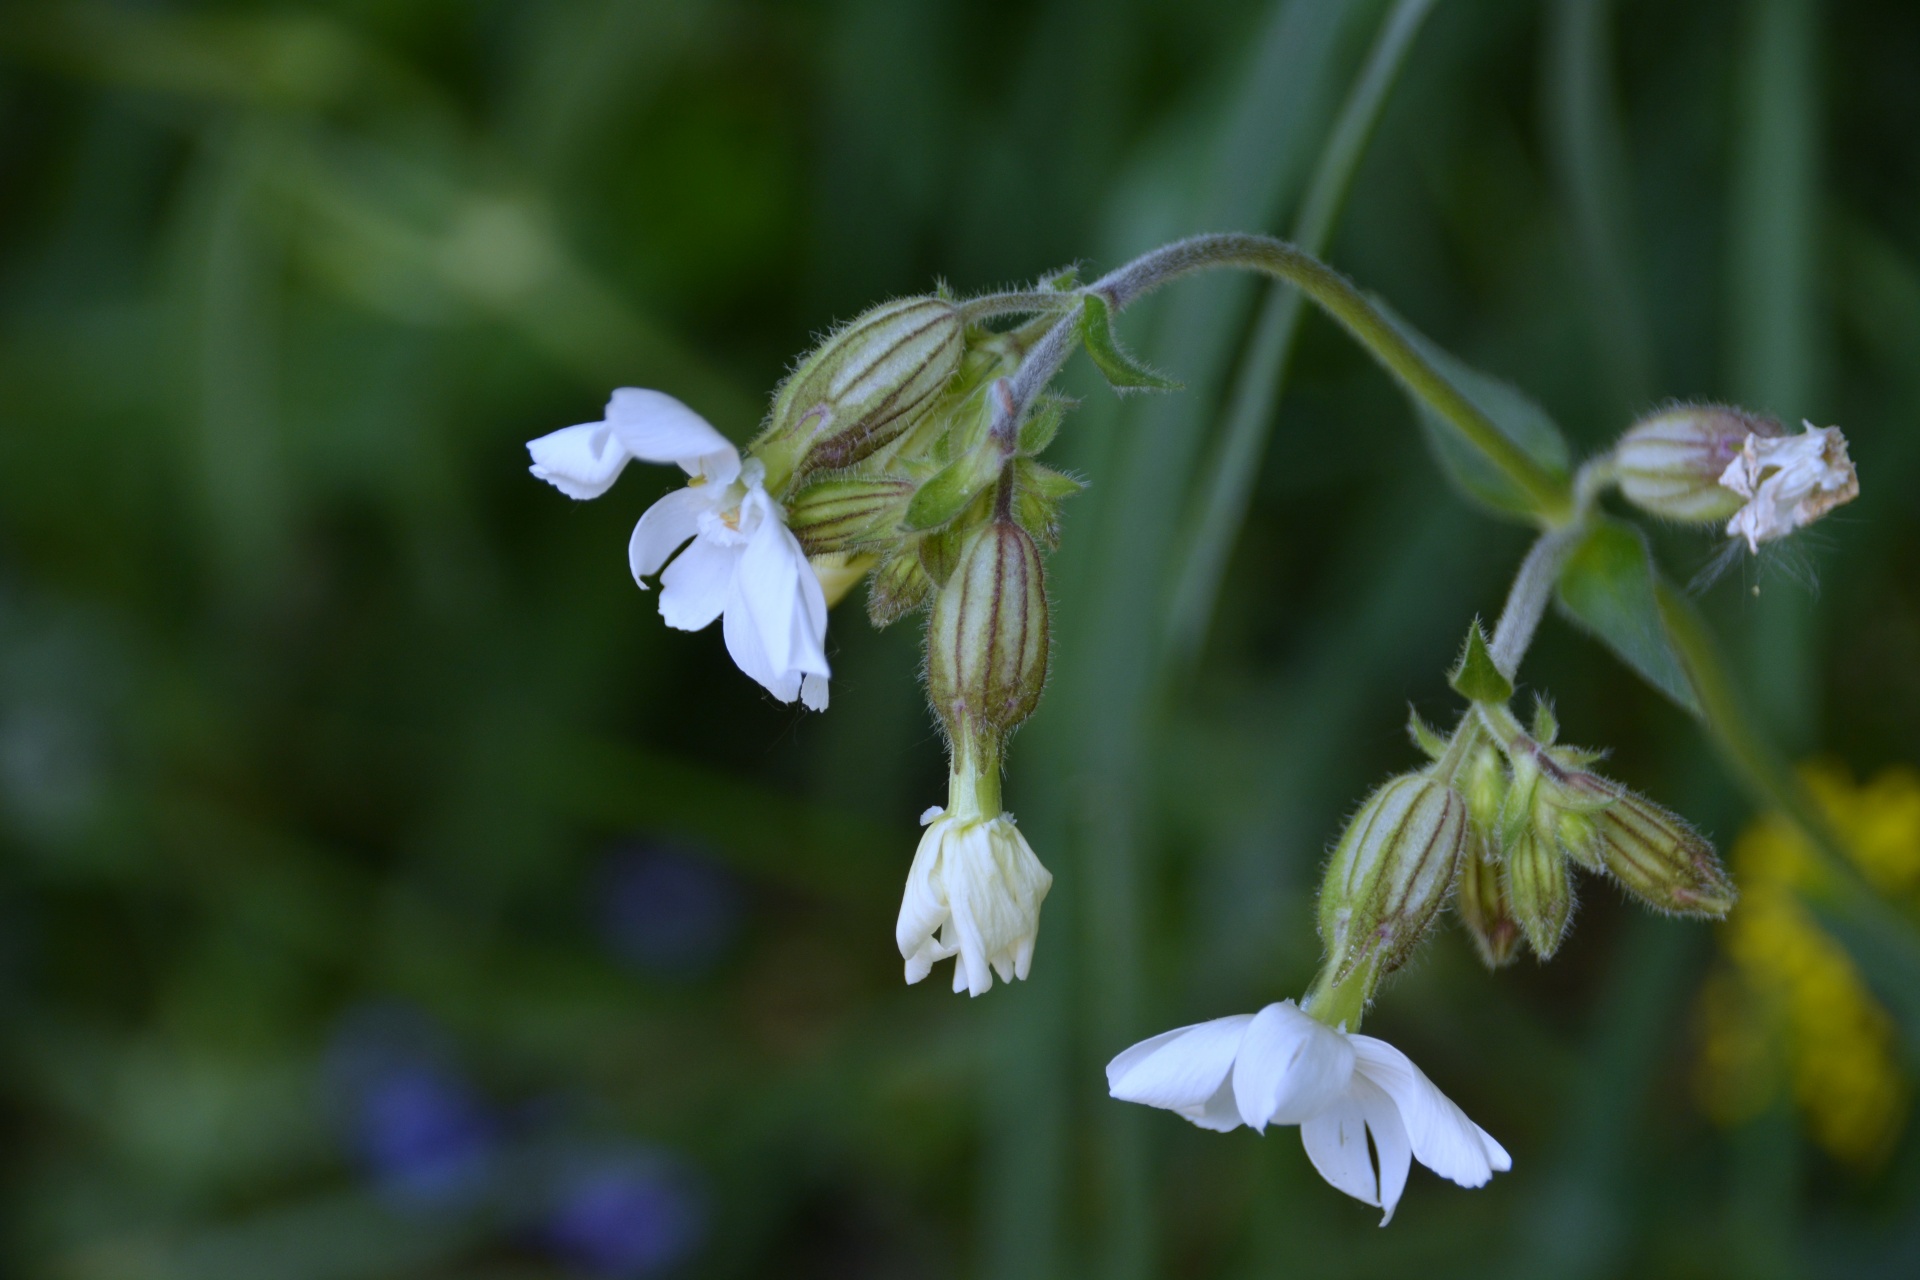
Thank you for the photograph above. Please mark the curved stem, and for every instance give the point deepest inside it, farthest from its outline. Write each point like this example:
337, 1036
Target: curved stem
1527, 598
1024, 302
1336, 295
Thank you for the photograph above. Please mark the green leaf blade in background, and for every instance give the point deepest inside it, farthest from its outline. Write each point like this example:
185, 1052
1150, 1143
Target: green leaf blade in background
1519, 418
1607, 586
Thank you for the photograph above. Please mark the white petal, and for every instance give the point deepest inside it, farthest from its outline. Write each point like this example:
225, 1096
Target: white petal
923, 907
697, 585
737, 627
662, 528
1442, 1137
1186, 1070
1392, 1149
581, 462
771, 568
1291, 1068
813, 695
1336, 1142
652, 425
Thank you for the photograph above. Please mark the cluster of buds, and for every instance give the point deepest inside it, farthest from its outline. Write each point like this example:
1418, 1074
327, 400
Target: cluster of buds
1701, 464
894, 454
1497, 821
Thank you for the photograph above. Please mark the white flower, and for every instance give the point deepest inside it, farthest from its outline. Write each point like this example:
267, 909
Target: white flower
1281, 1066
976, 883
1788, 481
744, 566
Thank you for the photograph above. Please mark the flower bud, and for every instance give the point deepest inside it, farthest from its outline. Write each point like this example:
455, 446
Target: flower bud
842, 513
866, 384
1539, 887
1390, 873
1660, 859
1482, 902
1483, 784
898, 587
987, 639
1670, 464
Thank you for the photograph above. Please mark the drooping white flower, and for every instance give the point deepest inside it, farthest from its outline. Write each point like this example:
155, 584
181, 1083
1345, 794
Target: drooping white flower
1788, 481
1281, 1066
743, 566
976, 885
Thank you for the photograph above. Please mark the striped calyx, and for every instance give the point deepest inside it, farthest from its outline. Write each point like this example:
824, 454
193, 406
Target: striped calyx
870, 381
1390, 872
987, 638
1484, 906
1670, 464
1654, 854
847, 513
1661, 859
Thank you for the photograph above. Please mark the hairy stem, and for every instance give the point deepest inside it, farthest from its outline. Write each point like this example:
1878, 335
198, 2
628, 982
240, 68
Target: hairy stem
1527, 598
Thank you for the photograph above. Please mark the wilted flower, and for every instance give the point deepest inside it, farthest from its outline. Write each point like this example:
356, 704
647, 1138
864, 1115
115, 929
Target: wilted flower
1282, 1066
973, 894
1788, 481
744, 566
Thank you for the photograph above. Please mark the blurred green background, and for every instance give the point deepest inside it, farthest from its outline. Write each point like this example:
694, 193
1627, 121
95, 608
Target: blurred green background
385, 892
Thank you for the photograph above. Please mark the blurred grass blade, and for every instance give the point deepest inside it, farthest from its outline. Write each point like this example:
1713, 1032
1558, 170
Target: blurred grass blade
1113, 592
1607, 585
1590, 157
1255, 395
1775, 339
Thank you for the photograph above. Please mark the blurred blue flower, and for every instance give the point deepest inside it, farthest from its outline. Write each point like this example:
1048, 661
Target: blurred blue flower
627, 1214
424, 1136
666, 911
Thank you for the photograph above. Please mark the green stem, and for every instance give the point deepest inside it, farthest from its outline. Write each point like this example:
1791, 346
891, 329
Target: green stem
1343, 1003
1551, 495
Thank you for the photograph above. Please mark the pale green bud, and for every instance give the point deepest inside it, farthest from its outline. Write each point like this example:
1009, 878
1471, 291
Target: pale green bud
1662, 860
870, 381
897, 587
1539, 887
987, 639
846, 513
1481, 900
1670, 464
1483, 783
1390, 873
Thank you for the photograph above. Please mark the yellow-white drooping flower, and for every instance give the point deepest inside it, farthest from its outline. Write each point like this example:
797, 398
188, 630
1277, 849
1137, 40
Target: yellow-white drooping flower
1788, 482
973, 896
741, 563
1282, 1066
975, 889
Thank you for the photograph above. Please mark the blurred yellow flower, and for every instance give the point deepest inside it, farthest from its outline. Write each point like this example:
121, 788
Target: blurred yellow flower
1787, 1010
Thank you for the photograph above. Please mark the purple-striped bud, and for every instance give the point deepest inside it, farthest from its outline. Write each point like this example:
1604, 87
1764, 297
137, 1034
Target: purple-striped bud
1390, 872
866, 384
987, 640
1670, 464
1481, 900
848, 513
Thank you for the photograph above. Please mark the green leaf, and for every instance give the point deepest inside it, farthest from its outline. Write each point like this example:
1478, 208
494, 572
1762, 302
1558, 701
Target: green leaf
1519, 419
1431, 741
1043, 423
1476, 678
1123, 372
948, 493
1607, 586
